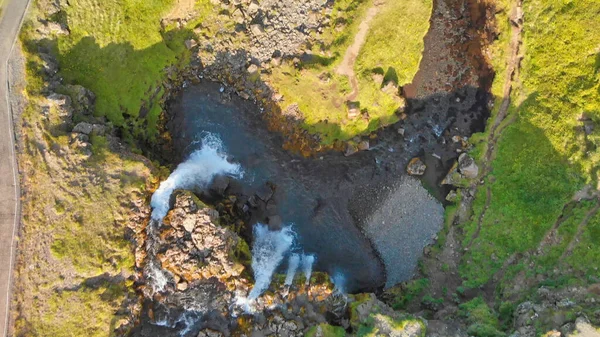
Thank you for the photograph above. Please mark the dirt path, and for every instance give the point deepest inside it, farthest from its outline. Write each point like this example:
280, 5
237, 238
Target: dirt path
580, 229
346, 68
512, 72
180, 10
452, 251
10, 23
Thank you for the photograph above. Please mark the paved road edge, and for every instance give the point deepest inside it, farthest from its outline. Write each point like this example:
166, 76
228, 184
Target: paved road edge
11, 129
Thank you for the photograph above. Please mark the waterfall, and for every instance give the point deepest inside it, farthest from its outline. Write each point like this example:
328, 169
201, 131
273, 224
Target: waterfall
307, 264
156, 275
268, 251
196, 172
293, 263
339, 281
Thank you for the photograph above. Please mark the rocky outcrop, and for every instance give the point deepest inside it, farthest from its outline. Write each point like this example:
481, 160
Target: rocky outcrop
370, 314
467, 166
416, 167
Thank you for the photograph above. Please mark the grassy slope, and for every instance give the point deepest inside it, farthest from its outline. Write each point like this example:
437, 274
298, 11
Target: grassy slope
323, 102
71, 234
75, 210
118, 50
542, 158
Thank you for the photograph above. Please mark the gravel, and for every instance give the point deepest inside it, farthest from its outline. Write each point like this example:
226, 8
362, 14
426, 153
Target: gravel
403, 224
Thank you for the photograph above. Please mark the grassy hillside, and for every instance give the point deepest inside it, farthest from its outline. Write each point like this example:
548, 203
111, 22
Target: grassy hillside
544, 156
119, 50
392, 50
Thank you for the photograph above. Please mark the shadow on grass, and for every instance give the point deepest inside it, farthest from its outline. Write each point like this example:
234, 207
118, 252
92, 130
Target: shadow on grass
530, 182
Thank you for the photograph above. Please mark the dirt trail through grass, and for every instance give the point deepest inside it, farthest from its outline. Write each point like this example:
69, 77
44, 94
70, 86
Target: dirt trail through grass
347, 66
512, 72
180, 9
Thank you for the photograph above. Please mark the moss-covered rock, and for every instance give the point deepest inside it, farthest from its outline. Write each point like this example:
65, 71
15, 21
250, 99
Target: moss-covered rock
325, 330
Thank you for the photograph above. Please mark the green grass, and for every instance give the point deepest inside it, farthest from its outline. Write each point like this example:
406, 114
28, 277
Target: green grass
83, 312
75, 211
482, 321
118, 50
542, 158
395, 40
321, 93
325, 330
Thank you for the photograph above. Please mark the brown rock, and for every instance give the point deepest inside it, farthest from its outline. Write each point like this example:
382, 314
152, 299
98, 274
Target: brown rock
363, 146
416, 167
350, 149
467, 166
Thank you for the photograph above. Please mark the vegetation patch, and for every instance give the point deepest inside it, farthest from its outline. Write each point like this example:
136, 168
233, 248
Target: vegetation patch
120, 51
480, 318
325, 330
324, 96
546, 154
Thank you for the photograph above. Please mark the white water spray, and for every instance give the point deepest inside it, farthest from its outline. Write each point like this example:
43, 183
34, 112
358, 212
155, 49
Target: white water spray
157, 276
268, 251
196, 172
307, 264
293, 263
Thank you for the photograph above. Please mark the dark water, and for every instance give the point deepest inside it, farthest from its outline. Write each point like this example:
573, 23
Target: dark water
312, 194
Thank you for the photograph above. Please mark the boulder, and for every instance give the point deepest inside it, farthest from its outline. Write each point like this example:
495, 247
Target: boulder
191, 43
275, 222
49, 64
83, 127
253, 8
453, 177
363, 145
83, 99
219, 185
264, 193
350, 149
467, 166
452, 196
416, 167
252, 69
257, 29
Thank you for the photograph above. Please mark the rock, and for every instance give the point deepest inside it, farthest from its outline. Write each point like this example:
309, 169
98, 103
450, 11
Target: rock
276, 61
264, 193
191, 43
436, 328
453, 177
353, 110
219, 185
467, 166
275, 222
253, 8
209, 333
416, 167
83, 99
363, 145
49, 64
350, 149
257, 29
83, 127
182, 286
252, 69
588, 127
189, 224
452, 196
49, 28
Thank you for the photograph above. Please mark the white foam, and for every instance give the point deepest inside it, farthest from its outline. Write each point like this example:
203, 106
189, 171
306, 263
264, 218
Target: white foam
293, 263
268, 251
307, 264
196, 172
